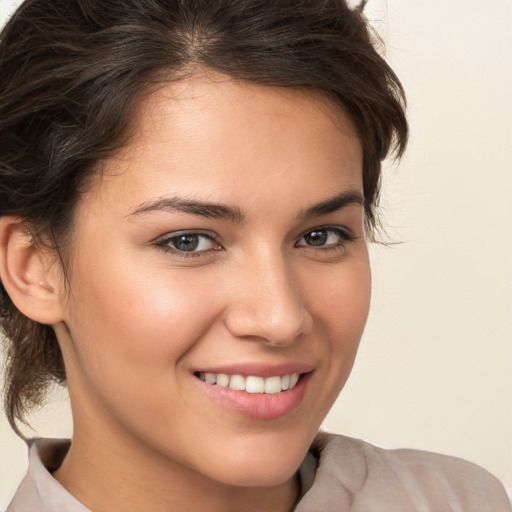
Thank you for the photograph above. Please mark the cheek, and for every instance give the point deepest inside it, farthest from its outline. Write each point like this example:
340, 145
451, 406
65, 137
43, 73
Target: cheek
129, 326
343, 301
341, 311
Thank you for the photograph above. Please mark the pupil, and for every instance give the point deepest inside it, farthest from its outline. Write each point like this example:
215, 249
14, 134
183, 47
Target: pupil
316, 238
186, 242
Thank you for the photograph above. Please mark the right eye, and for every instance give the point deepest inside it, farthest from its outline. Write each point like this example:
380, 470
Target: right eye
188, 243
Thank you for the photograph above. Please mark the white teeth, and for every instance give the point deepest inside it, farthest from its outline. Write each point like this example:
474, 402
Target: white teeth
237, 382
254, 385
210, 378
222, 380
251, 384
273, 385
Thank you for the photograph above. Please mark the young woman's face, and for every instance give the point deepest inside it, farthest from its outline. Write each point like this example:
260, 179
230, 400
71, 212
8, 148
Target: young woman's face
223, 247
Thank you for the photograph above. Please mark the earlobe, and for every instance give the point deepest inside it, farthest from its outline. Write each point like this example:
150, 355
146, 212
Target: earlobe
27, 273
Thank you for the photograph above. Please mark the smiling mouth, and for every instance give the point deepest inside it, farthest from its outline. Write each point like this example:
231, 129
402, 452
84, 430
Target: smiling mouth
251, 383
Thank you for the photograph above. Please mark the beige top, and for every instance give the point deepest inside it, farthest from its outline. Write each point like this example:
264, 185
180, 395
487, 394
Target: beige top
338, 474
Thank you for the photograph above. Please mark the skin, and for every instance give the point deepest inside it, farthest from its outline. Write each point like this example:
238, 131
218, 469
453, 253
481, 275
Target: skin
140, 318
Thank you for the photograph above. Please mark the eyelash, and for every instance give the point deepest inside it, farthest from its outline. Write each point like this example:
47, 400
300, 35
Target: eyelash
345, 236
164, 243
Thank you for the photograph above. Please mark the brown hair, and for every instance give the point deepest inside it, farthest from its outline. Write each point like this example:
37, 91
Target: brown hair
71, 72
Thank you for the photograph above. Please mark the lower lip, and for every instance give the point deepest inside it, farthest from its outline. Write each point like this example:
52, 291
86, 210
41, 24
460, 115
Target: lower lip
259, 406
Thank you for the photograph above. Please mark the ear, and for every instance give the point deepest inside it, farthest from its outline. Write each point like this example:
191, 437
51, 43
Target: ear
28, 273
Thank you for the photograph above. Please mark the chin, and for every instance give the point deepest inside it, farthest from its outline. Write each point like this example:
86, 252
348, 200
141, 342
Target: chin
250, 474
260, 464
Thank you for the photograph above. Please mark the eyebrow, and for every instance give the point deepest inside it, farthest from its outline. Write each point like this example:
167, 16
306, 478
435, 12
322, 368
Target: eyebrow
235, 214
332, 205
193, 207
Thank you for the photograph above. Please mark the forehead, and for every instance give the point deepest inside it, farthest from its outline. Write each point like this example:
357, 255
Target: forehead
210, 133
221, 99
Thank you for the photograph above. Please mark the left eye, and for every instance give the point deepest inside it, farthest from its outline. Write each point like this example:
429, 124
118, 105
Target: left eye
190, 242
322, 237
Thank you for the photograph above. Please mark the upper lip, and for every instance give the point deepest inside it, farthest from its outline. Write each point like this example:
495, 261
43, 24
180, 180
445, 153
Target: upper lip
258, 369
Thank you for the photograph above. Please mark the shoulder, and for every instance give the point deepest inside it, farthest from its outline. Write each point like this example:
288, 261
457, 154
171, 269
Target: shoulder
371, 478
39, 491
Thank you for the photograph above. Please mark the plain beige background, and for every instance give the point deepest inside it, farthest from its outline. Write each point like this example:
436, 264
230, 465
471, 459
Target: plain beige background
435, 366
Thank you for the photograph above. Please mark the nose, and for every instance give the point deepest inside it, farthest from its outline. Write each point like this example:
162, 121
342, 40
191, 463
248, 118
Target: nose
267, 303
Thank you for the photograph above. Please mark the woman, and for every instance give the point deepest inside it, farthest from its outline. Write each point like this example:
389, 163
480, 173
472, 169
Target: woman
188, 188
